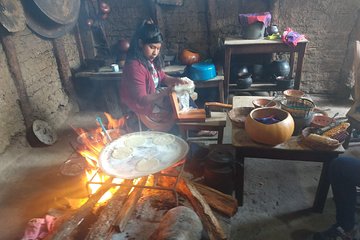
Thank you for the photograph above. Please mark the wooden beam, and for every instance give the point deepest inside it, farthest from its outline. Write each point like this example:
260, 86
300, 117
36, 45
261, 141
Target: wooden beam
63, 67
14, 67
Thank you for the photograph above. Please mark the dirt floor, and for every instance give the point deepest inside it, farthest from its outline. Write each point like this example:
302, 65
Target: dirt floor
277, 201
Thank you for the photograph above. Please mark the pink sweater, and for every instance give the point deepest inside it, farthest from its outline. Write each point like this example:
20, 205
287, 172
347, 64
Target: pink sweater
136, 83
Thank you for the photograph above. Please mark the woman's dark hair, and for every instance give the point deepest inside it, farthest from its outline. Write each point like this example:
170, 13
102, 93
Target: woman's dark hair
148, 33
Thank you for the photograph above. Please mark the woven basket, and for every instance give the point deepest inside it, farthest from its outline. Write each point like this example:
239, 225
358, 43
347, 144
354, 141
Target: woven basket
238, 116
299, 108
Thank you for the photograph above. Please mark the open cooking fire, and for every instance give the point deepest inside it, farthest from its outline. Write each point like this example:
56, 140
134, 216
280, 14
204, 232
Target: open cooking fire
91, 144
122, 195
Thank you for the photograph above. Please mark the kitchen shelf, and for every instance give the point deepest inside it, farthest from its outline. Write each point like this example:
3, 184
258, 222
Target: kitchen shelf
256, 87
260, 46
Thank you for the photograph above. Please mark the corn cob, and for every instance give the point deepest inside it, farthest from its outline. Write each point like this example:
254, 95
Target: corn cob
314, 138
335, 130
341, 136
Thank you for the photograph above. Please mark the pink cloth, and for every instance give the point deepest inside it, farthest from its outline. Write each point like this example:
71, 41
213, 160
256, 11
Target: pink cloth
291, 37
136, 83
39, 228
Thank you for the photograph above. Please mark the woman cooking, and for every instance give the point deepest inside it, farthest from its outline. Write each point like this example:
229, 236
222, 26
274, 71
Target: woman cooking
141, 88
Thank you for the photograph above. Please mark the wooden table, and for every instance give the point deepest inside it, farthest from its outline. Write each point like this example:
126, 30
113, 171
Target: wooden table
289, 150
242, 46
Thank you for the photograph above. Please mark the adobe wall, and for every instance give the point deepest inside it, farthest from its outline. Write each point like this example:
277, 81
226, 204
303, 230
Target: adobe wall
39, 71
331, 27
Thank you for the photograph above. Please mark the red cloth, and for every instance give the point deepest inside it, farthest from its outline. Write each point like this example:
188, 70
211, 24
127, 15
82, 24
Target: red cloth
137, 83
249, 18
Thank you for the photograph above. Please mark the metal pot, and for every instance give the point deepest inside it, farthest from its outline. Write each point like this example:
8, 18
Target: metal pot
219, 170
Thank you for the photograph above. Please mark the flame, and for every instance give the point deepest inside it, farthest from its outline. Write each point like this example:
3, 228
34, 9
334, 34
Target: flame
92, 142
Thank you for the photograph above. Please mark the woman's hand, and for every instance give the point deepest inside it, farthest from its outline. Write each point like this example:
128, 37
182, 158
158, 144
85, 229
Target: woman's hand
173, 81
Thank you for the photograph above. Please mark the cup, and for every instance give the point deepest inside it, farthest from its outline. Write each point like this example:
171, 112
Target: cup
115, 67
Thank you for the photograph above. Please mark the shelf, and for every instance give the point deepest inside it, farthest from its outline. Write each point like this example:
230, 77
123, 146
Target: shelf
256, 87
241, 47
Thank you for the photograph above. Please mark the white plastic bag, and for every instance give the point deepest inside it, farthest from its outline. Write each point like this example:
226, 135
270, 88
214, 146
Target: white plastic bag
183, 93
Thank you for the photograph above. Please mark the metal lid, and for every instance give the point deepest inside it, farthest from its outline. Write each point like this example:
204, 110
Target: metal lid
60, 11
12, 15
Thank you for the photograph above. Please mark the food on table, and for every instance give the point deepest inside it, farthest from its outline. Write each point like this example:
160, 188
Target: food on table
336, 130
322, 139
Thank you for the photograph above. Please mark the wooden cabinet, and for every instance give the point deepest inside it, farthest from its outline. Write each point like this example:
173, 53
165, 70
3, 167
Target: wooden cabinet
259, 46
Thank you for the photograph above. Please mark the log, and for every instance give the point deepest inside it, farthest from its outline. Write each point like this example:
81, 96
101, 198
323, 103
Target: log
63, 67
14, 67
101, 229
200, 206
217, 200
129, 206
66, 230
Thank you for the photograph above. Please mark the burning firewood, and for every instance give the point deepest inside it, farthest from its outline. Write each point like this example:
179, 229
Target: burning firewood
201, 207
129, 206
102, 227
67, 228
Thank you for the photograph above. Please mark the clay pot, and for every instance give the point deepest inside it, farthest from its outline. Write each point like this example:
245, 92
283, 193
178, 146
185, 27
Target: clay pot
254, 31
284, 82
236, 71
123, 45
280, 68
188, 57
244, 80
218, 171
263, 102
269, 134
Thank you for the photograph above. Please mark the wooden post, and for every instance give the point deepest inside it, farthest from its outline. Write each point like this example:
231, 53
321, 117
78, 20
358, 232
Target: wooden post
63, 67
15, 71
